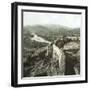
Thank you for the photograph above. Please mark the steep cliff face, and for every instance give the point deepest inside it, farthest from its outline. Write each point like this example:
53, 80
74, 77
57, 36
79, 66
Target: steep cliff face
59, 57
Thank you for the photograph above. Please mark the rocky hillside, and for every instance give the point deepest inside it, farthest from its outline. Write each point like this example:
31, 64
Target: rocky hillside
43, 59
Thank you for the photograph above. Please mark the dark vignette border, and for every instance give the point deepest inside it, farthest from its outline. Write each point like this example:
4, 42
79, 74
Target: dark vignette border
14, 43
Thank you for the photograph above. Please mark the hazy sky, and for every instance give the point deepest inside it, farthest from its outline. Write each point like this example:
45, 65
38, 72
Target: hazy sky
34, 18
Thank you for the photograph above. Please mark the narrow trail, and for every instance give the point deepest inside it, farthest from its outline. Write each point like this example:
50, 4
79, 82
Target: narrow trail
39, 39
57, 53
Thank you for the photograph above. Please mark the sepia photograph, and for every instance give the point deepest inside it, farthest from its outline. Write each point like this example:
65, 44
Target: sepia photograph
51, 44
